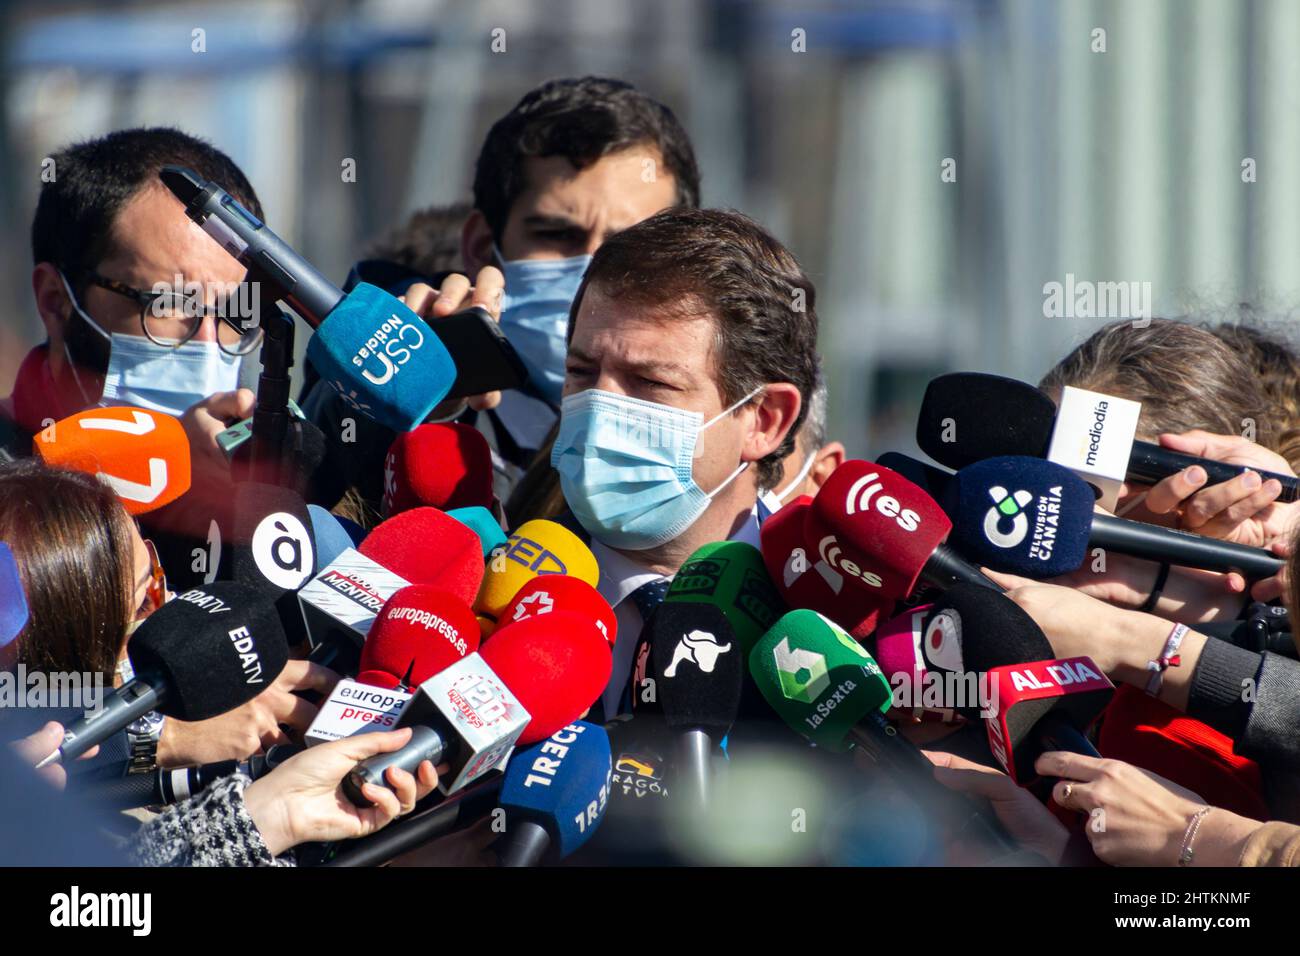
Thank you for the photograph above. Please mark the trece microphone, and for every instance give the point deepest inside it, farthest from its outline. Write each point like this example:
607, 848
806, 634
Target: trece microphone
808, 581
697, 663
424, 546
420, 631
143, 455
1035, 518
535, 548
969, 416
13, 600
561, 592
995, 664
527, 682
731, 576
203, 653
883, 533
446, 466
554, 795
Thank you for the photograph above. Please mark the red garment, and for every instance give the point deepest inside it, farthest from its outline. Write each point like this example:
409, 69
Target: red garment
38, 398
1141, 730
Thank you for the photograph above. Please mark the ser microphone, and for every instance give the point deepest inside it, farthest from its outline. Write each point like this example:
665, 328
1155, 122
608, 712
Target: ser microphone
536, 547
968, 416
143, 455
201, 654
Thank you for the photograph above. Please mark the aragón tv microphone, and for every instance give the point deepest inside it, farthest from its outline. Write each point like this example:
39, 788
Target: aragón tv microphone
203, 653
554, 795
968, 416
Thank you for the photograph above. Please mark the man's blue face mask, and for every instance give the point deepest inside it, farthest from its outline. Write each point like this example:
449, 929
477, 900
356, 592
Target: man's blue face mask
535, 315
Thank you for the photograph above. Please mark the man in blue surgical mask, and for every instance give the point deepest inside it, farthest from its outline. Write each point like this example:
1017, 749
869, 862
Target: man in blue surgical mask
574, 162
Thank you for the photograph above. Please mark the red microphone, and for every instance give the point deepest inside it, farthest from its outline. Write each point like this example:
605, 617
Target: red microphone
548, 593
807, 581
420, 631
557, 664
445, 466
425, 546
883, 533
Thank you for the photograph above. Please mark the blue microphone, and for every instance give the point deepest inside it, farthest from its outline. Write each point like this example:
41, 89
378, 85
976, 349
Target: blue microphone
479, 520
13, 602
554, 794
330, 536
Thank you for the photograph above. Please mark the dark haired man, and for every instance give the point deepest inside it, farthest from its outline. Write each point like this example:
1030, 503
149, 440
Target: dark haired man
574, 162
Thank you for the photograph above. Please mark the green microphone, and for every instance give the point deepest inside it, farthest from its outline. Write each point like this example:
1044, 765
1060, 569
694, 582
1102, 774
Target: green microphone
731, 576
822, 683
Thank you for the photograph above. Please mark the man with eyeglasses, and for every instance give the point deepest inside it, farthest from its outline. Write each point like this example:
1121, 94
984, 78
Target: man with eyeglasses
140, 306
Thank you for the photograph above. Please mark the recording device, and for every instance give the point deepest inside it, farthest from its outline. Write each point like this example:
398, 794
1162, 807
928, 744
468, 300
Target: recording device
561, 592
424, 546
731, 576
536, 547
444, 466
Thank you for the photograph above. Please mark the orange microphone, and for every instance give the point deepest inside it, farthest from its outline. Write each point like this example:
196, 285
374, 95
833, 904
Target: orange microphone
143, 455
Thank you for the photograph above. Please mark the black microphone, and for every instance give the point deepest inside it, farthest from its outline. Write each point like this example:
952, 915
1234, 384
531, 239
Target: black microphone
166, 787
969, 416
201, 654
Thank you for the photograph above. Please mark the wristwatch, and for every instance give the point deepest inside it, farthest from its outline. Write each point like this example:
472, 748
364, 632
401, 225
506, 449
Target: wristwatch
143, 736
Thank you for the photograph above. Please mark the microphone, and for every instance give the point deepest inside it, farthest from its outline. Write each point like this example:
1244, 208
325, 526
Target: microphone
424, 546
830, 690
270, 546
883, 533
339, 606
446, 465
420, 631
482, 522
699, 669
561, 592
899, 650
731, 576
166, 787
13, 600
1036, 518
199, 655
805, 580
330, 537
554, 794
526, 683
143, 455
969, 416
536, 547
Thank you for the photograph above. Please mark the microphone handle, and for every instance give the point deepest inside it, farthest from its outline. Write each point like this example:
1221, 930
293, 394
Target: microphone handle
694, 763
129, 702
1149, 463
425, 744
946, 568
525, 844
1173, 546
1054, 732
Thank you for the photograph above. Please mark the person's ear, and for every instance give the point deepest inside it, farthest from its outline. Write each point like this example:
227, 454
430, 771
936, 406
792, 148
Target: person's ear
52, 303
775, 413
829, 457
476, 243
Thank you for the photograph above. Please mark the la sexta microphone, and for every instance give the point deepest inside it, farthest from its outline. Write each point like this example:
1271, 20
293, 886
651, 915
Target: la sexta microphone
969, 416
883, 533
554, 795
13, 600
201, 654
143, 455
445, 466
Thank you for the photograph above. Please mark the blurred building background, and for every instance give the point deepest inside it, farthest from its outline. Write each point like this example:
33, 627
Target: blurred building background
932, 163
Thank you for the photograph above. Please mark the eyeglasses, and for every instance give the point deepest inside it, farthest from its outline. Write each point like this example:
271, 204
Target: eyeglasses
171, 319
156, 596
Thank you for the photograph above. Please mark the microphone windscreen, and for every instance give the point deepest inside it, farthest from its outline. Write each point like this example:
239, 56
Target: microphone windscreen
556, 664
968, 416
13, 600
535, 547
561, 592
874, 527
804, 580
382, 358
817, 678
933, 481
215, 648
419, 631
329, 536
446, 466
731, 576
271, 543
1021, 515
424, 546
482, 523
698, 665
143, 455
898, 645
561, 784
